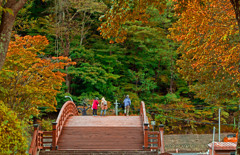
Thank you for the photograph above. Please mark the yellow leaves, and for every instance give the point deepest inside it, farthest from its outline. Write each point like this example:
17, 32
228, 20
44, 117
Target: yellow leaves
12, 132
122, 11
209, 46
111, 41
33, 81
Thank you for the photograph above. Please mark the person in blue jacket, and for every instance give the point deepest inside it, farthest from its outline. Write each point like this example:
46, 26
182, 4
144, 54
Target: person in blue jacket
127, 103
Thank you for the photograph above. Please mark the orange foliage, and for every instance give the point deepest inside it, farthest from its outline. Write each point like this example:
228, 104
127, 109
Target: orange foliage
126, 10
209, 49
29, 81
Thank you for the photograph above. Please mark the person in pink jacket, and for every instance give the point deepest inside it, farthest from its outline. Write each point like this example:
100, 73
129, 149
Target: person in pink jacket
95, 106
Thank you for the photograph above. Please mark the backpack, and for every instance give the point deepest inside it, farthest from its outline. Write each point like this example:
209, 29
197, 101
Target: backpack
104, 103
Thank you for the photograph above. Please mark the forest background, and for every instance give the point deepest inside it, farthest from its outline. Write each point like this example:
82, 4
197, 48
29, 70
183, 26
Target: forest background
183, 61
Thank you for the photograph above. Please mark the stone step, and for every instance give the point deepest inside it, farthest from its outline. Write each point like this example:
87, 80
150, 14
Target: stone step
91, 152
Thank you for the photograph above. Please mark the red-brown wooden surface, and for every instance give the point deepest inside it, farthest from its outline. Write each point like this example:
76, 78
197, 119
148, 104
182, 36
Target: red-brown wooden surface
143, 113
68, 109
33, 146
154, 137
145, 124
47, 140
41, 140
148, 135
102, 133
73, 132
36, 141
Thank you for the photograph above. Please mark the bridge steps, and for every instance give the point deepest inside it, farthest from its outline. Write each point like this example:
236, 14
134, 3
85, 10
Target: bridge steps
102, 133
90, 152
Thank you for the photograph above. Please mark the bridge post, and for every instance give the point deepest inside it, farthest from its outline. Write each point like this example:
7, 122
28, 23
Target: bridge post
36, 127
116, 107
54, 135
160, 141
34, 144
145, 147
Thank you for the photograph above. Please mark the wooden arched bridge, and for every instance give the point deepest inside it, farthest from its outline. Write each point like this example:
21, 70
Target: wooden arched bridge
74, 134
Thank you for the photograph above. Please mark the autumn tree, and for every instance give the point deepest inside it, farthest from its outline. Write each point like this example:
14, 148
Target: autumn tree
28, 79
9, 10
208, 33
209, 49
126, 10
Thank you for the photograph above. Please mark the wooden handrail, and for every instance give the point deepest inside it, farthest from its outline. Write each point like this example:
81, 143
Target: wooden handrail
68, 109
143, 113
36, 139
146, 132
145, 125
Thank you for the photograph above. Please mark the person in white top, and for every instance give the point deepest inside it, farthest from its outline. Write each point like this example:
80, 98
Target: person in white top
103, 106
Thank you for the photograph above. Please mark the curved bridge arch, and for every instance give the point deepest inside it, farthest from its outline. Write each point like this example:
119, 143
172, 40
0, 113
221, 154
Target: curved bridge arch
137, 124
68, 109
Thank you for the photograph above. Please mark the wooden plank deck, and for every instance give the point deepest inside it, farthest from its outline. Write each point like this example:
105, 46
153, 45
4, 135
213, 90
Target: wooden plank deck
102, 133
104, 121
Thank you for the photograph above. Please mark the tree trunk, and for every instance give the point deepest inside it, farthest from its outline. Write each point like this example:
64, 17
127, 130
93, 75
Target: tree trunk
6, 26
235, 4
82, 28
171, 70
68, 81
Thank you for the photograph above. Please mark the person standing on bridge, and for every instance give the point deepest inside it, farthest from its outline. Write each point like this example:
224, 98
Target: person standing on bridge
103, 106
83, 110
127, 103
95, 106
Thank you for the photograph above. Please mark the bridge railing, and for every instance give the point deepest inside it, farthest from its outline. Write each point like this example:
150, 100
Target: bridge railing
40, 140
36, 141
150, 136
145, 125
156, 139
68, 109
48, 139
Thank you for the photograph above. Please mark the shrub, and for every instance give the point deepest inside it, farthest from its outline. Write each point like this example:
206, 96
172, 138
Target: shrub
13, 139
